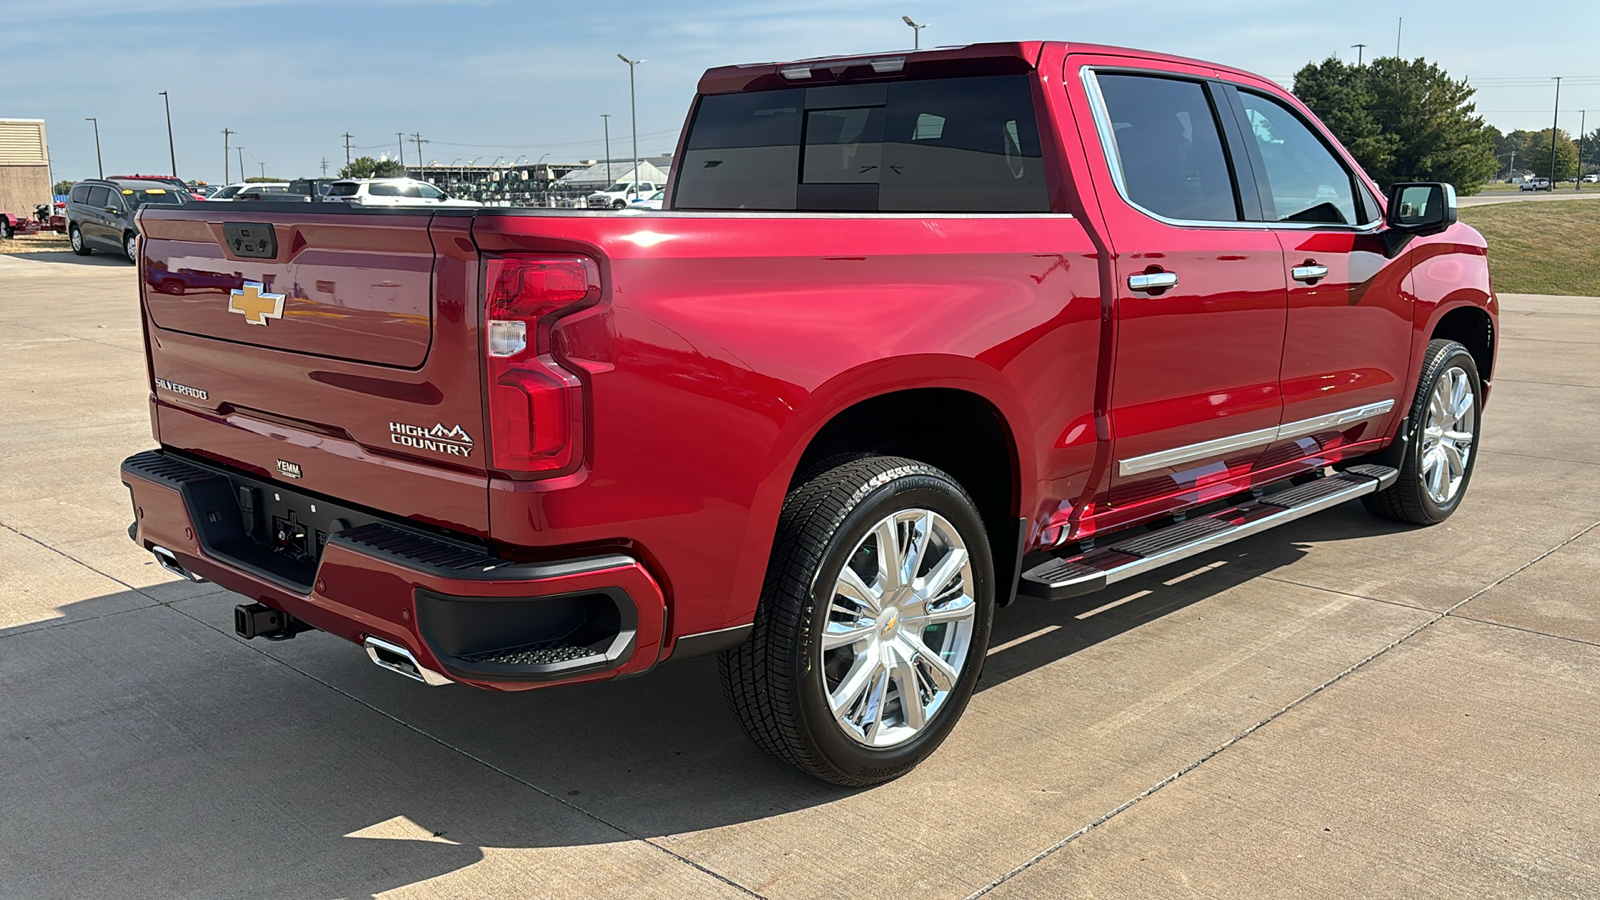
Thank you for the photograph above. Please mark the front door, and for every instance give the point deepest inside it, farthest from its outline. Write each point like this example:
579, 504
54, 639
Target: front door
1200, 295
1348, 340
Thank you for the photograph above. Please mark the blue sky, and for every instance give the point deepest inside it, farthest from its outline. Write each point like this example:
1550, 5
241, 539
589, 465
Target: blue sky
486, 78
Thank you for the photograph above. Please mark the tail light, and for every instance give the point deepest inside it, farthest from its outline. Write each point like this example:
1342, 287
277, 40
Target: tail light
535, 405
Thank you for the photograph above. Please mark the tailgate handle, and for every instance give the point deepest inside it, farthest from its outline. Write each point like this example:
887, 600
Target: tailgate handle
256, 240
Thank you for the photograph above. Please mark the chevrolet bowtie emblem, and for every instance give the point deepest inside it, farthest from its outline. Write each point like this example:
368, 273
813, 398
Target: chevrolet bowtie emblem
255, 303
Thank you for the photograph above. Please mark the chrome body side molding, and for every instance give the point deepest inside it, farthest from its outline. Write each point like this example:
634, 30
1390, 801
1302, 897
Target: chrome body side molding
1206, 449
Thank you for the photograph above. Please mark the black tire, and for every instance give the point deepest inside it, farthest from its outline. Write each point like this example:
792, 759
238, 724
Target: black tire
619, 204
776, 689
6, 231
79, 245
1408, 499
130, 247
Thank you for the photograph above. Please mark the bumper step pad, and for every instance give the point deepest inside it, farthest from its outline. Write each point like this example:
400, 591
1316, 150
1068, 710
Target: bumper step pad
1085, 573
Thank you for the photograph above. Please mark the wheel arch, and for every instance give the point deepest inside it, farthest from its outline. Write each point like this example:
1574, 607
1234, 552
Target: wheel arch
1472, 327
875, 409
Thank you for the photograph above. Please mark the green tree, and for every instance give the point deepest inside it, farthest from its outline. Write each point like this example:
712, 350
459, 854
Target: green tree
1566, 156
1342, 98
62, 187
262, 179
1513, 149
367, 167
1403, 120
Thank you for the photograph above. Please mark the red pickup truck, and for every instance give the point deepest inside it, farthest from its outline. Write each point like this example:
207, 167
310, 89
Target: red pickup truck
916, 333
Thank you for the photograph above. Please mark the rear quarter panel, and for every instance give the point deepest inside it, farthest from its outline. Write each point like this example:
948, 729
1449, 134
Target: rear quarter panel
725, 342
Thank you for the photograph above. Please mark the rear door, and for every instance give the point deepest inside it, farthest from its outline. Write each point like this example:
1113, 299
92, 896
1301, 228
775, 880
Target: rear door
1199, 290
93, 227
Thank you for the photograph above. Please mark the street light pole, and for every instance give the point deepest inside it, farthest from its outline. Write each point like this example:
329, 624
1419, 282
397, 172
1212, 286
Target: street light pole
1358, 48
226, 132
241, 162
171, 150
400, 138
633, 106
607, 118
98, 164
1554, 118
916, 32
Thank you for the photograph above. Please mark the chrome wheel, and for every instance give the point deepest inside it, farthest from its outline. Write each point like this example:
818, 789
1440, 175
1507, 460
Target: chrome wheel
1447, 435
130, 245
77, 240
899, 628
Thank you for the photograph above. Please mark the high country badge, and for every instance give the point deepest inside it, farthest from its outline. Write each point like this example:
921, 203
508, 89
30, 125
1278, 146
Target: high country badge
453, 441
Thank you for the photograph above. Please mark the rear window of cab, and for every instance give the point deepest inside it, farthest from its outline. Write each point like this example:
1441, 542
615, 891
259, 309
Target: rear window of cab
966, 144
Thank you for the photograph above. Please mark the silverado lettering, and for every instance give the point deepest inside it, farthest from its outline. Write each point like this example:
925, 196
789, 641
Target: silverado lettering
914, 335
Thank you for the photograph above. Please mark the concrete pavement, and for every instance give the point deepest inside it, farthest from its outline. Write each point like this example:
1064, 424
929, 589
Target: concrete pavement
1338, 708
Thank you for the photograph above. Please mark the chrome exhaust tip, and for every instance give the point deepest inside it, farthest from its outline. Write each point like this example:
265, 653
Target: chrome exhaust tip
396, 658
168, 561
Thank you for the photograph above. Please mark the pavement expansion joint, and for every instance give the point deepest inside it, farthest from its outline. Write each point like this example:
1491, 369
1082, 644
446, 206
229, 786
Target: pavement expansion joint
485, 763
1131, 802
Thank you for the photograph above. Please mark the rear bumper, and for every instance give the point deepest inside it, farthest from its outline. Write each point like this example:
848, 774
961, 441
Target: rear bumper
460, 610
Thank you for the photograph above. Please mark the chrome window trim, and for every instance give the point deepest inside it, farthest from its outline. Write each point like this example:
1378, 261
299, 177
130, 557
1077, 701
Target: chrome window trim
1205, 449
1102, 125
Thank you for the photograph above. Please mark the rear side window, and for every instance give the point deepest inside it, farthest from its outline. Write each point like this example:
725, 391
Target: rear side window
1166, 141
80, 194
936, 145
99, 197
1306, 181
343, 190
383, 190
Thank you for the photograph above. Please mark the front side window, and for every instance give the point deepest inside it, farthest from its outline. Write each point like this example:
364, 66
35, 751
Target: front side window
429, 192
1165, 137
227, 193
1306, 181
933, 145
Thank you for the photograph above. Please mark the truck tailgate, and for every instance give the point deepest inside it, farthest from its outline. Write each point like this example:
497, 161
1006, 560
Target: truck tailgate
346, 363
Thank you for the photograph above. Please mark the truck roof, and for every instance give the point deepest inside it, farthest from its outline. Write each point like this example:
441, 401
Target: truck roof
1009, 55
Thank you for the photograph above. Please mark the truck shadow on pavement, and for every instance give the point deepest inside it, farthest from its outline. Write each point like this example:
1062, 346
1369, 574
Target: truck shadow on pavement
158, 755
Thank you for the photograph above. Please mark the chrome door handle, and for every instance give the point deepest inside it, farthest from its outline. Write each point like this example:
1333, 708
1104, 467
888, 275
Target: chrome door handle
1309, 273
1152, 281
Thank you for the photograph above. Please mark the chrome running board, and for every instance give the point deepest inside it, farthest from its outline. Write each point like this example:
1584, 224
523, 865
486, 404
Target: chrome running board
1085, 573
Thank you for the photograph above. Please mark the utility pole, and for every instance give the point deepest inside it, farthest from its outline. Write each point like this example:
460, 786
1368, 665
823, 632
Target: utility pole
419, 141
1397, 28
633, 105
98, 164
400, 138
324, 167
1583, 122
241, 162
170, 148
347, 136
226, 157
607, 118
1512, 172
916, 32
1358, 49
263, 170
1554, 118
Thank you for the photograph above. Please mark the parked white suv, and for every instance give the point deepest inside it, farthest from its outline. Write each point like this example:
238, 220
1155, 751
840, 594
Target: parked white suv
391, 192
620, 194
228, 192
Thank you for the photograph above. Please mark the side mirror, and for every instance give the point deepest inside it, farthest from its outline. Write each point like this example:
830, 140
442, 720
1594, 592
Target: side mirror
112, 209
1416, 209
